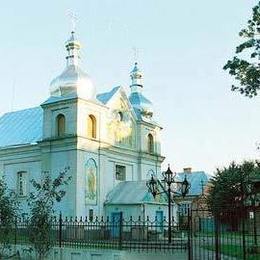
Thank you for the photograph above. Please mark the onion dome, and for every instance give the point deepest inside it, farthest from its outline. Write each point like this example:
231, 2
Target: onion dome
73, 80
140, 103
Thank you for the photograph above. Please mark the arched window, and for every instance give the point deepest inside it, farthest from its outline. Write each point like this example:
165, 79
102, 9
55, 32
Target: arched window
92, 127
150, 143
120, 116
60, 121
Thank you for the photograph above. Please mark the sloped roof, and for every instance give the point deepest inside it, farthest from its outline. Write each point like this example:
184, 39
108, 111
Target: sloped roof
195, 179
131, 192
105, 97
21, 127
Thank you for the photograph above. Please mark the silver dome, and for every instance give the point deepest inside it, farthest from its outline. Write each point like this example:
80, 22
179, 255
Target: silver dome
73, 80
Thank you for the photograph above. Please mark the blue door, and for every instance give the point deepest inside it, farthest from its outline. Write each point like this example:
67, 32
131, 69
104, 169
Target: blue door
115, 229
159, 222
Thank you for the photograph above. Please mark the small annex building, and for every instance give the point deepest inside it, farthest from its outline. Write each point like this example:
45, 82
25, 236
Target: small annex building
132, 198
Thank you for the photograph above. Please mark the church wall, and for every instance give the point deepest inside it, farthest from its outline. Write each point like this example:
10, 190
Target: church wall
83, 205
58, 161
142, 210
110, 172
68, 109
151, 209
149, 168
32, 170
84, 110
128, 211
144, 131
106, 179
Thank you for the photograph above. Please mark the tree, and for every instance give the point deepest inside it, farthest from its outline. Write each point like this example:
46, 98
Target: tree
247, 70
230, 187
42, 212
9, 207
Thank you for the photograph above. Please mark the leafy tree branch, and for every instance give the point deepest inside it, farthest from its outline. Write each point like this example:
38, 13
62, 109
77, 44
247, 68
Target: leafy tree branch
247, 70
41, 203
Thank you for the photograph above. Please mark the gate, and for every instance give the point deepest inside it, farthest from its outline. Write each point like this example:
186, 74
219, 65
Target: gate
224, 234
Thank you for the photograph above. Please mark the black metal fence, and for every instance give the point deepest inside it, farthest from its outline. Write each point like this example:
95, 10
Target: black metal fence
225, 234
123, 234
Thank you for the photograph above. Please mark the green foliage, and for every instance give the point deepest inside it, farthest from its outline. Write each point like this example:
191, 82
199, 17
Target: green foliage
247, 71
9, 207
41, 203
231, 186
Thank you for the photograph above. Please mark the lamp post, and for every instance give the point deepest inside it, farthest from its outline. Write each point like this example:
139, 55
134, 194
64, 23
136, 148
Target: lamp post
168, 178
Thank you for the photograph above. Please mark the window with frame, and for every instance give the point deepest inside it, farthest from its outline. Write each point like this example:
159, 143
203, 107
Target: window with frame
150, 143
21, 184
92, 127
184, 208
120, 173
91, 214
60, 122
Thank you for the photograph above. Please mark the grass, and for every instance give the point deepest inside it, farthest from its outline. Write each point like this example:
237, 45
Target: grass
224, 234
234, 251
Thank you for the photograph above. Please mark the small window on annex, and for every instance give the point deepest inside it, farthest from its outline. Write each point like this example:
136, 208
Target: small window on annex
60, 122
184, 208
92, 127
120, 173
21, 184
91, 214
150, 143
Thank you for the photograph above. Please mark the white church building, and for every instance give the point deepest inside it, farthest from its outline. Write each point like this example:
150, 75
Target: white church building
109, 141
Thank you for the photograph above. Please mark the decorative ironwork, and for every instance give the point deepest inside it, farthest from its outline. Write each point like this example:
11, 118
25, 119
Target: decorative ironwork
156, 187
223, 234
109, 233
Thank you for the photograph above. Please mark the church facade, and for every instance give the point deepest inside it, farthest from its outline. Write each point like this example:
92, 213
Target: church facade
109, 141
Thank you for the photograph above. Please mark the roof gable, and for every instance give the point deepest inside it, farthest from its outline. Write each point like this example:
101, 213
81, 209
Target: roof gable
106, 96
115, 96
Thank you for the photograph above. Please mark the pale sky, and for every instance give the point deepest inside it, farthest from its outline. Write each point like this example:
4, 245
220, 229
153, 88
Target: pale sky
183, 46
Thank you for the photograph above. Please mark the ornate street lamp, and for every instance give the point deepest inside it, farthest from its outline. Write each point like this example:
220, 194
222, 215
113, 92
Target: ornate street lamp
153, 186
169, 178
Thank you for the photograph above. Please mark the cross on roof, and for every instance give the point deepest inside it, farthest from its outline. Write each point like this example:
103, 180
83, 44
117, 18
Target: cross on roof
73, 19
135, 53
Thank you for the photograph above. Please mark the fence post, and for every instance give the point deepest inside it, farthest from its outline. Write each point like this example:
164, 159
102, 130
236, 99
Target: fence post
189, 234
60, 229
120, 230
255, 227
15, 234
244, 234
217, 231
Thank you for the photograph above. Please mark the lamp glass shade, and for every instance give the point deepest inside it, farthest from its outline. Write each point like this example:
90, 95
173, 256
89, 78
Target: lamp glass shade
152, 186
185, 187
168, 175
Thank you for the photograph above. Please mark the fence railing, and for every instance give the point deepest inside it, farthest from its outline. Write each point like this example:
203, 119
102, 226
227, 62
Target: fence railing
225, 233
116, 233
